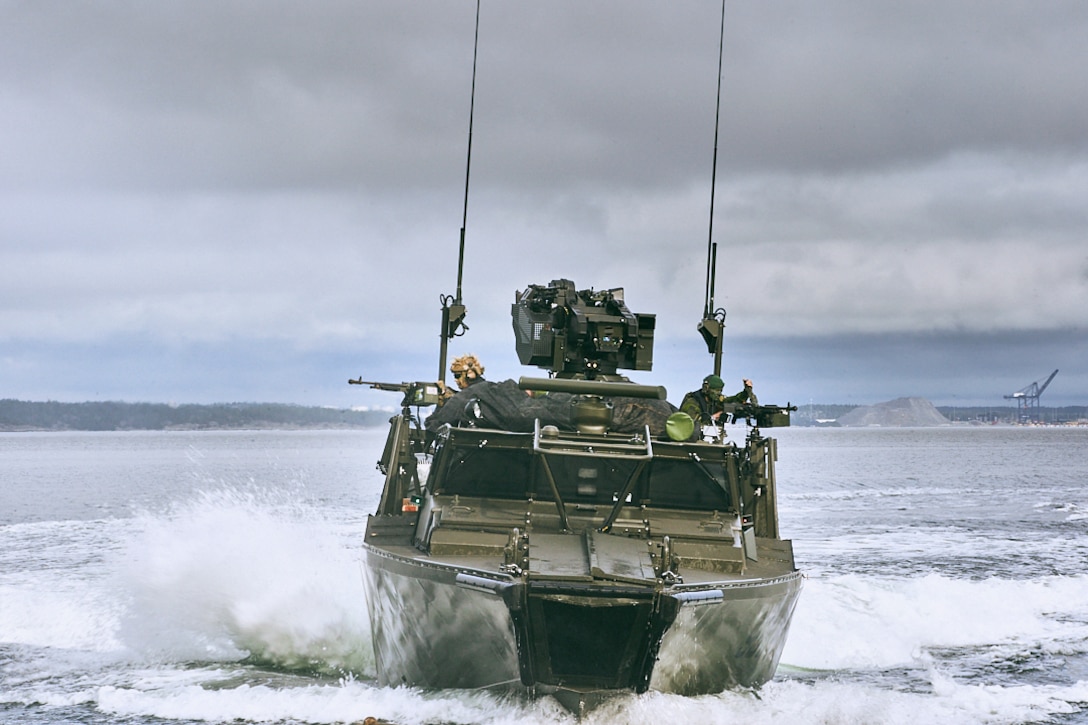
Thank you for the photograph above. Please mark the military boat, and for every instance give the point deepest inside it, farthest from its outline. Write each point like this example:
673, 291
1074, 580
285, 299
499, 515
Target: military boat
573, 534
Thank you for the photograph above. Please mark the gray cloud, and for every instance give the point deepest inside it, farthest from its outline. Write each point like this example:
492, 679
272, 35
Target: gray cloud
234, 175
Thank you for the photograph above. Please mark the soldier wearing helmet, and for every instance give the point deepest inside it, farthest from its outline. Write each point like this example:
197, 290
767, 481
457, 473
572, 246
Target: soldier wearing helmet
467, 370
705, 405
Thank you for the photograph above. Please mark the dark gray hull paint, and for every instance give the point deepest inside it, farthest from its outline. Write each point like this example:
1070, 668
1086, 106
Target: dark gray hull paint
735, 642
431, 630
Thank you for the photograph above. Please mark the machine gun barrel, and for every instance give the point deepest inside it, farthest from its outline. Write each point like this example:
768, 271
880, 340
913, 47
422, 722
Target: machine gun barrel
765, 416
420, 394
395, 387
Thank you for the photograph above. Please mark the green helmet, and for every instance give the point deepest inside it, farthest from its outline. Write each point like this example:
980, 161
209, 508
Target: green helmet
713, 382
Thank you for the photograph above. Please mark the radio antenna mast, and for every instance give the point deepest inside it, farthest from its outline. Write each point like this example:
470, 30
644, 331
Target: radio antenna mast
713, 322
453, 308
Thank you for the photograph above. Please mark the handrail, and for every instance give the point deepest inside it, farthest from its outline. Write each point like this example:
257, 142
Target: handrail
596, 446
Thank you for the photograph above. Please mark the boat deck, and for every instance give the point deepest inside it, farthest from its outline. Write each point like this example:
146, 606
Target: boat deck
585, 555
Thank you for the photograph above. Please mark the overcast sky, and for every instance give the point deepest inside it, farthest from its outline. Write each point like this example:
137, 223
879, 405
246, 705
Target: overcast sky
254, 201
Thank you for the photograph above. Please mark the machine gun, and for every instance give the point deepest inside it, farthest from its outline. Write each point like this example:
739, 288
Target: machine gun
415, 394
764, 416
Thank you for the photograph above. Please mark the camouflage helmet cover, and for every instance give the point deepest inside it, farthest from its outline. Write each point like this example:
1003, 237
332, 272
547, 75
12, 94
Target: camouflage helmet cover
469, 365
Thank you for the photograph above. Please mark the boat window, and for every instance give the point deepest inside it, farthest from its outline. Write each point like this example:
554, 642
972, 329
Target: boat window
494, 472
510, 474
585, 479
686, 484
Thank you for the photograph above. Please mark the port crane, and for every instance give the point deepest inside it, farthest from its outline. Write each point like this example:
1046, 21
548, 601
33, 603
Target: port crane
1027, 399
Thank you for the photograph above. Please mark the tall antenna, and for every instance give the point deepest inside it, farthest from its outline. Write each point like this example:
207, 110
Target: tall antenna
468, 157
713, 322
453, 309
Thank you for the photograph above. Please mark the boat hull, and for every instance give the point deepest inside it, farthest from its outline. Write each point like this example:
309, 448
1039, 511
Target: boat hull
435, 625
430, 632
735, 641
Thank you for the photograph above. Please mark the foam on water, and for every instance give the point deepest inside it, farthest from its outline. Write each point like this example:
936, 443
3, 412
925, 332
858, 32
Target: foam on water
50, 594
827, 703
849, 621
237, 574
246, 604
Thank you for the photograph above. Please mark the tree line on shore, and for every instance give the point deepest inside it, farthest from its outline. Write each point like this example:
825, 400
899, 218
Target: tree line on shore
18, 415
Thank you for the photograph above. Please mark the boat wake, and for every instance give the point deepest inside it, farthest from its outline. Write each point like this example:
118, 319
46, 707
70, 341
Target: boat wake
852, 622
246, 605
248, 575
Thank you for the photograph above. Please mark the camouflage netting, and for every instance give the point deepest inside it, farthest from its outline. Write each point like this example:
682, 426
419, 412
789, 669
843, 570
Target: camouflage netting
507, 407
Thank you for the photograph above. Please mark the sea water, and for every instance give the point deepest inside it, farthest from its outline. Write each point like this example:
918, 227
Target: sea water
215, 577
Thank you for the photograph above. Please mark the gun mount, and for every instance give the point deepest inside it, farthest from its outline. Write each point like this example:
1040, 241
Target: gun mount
581, 334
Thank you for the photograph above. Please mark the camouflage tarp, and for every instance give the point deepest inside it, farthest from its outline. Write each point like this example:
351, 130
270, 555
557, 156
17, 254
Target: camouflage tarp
507, 407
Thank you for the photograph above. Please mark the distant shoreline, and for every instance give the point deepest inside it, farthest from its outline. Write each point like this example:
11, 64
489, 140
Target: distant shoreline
18, 416
194, 429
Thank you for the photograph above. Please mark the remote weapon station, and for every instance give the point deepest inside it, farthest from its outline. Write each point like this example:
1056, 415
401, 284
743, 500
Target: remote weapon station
572, 534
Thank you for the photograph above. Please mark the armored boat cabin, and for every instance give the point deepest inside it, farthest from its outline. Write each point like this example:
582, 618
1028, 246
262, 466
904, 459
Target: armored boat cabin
699, 507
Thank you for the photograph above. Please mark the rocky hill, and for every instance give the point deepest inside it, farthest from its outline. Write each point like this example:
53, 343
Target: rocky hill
901, 412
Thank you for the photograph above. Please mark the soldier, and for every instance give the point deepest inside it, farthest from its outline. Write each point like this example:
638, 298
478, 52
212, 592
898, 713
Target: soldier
467, 370
705, 405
